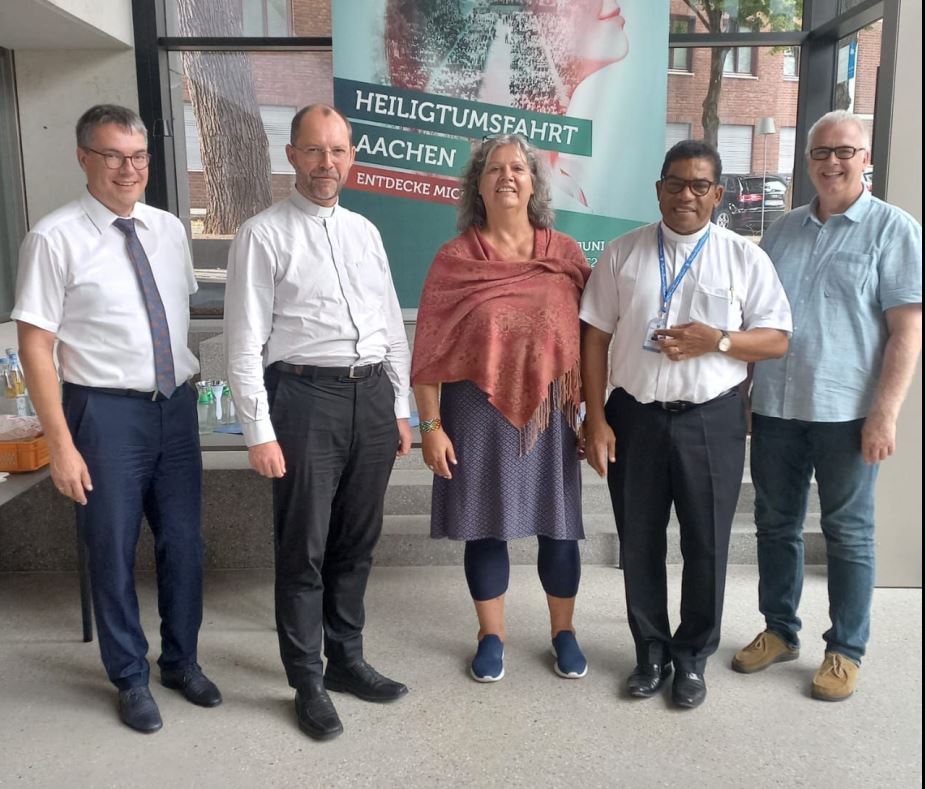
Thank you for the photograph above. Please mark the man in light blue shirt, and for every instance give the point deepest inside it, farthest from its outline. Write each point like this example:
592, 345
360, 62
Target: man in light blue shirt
851, 265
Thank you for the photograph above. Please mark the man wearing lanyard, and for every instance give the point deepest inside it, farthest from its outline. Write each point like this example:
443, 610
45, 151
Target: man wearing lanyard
108, 279
688, 306
310, 296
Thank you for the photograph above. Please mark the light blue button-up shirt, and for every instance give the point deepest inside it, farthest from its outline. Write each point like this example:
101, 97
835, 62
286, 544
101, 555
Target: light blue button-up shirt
840, 278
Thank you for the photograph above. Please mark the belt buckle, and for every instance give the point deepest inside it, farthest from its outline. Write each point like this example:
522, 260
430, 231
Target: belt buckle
352, 370
674, 406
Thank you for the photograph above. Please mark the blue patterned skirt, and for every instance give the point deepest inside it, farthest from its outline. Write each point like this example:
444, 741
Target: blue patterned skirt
496, 492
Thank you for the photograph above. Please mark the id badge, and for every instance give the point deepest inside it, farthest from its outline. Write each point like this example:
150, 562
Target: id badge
650, 343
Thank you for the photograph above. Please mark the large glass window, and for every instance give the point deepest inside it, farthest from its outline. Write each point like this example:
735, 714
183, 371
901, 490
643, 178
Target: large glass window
256, 18
12, 204
236, 110
856, 74
737, 116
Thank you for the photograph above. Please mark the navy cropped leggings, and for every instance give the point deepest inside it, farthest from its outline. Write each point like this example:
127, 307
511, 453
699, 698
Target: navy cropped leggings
488, 567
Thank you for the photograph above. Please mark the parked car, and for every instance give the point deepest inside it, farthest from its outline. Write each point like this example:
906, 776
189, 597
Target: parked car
740, 209
868, 177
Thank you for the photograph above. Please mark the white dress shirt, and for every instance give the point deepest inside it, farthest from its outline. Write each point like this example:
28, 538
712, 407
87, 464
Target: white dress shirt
309, 284
731, 285
77, 281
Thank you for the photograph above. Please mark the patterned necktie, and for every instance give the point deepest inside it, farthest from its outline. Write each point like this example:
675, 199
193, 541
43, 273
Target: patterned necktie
164, 374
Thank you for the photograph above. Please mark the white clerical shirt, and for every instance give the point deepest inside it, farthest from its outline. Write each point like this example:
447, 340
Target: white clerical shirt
731, 285
309, 284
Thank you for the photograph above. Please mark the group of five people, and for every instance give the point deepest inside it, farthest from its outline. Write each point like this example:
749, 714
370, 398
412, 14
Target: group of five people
514, 333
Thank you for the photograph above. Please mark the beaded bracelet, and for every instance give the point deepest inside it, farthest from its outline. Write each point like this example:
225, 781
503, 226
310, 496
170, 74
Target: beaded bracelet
430, 425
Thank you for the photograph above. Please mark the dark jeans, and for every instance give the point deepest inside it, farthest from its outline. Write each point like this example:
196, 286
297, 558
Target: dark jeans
785, 452
339, 438
144, 459
694, 460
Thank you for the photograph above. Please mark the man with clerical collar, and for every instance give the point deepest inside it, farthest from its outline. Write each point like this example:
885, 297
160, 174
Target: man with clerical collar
318, 362
108, 280
688, 305
852, 267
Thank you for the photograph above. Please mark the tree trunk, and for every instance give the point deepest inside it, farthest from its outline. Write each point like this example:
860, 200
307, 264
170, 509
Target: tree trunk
710, 116
235, 150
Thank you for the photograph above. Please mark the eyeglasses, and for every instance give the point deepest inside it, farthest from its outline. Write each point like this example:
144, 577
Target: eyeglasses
698, 186
823, 152
114, 161
317, 153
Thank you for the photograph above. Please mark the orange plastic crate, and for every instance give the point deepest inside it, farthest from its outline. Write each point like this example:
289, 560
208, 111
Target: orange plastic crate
23, 455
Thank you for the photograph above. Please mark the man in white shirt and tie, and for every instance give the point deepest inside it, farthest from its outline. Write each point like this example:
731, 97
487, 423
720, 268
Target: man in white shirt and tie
318, 363
108, 279
688, 305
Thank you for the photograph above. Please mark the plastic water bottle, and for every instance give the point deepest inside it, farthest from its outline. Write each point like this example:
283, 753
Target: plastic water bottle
15, 365
14, 387
217, 388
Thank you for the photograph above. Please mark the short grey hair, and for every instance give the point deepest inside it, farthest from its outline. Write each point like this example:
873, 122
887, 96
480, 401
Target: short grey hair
470, 210
834, 118
326, 110
99, 115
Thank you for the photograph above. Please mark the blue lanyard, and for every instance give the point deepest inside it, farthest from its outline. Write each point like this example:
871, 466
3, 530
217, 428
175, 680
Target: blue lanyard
668, 292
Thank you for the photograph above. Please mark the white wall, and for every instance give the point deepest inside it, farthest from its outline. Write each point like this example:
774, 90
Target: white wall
112, 17
54, 88
899, 490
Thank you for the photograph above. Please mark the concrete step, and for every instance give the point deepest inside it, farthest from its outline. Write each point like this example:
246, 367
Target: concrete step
406, 541
37, 527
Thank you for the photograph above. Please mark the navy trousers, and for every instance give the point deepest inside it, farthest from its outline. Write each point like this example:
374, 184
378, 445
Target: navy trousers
144, 459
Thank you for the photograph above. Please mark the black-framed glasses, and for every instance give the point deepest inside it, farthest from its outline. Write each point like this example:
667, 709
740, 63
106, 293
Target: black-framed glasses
114, 161
698, 186
823, 152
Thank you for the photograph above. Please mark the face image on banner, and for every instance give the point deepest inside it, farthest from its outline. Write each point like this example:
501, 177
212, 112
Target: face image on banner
421, 80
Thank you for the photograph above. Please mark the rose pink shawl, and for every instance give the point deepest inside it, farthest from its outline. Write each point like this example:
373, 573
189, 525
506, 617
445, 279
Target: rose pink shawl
510, 327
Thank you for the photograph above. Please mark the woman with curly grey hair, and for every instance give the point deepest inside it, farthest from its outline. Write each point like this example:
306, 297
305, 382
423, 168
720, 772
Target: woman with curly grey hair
496, 378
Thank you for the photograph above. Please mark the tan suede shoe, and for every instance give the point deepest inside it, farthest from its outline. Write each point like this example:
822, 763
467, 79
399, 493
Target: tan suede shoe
836, 678
765, 650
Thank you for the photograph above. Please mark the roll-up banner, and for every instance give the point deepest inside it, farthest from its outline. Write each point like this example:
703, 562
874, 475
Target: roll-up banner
422, 80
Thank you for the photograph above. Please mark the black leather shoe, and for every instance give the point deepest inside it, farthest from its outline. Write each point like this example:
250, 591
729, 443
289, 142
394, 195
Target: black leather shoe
689, 689
193, 684
138, 710
315, 711
646, 681
363, 681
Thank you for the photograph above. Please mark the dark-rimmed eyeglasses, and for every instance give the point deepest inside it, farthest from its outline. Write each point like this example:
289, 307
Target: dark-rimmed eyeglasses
114, 161
698, 186
823, 152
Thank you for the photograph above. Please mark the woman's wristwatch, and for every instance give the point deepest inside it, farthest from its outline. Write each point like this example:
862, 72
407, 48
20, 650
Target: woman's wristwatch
430, 425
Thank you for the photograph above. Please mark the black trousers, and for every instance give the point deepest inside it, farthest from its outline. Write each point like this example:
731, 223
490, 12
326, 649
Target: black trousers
338, 437
694, 460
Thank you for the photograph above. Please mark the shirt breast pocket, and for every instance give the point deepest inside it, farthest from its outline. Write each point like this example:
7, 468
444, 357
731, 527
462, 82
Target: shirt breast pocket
847, 275
712, 306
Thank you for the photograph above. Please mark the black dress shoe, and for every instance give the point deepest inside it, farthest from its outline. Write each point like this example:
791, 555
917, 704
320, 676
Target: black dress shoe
193, 684
646, 681
138, 710
315, 711
363, 681
689, 689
